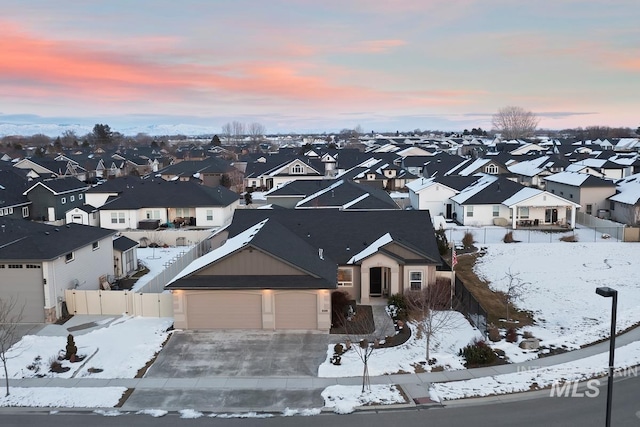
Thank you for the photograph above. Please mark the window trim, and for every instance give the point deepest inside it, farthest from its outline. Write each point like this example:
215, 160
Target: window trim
345, 283
469, 211
412, 281
25, 211
69, 257
63, 200
95, 245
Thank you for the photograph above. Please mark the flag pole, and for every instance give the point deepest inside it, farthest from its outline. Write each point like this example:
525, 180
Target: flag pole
454, 261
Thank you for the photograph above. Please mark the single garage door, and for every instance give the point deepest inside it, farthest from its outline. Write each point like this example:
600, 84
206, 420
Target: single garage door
23, 283
224, 310
296, 310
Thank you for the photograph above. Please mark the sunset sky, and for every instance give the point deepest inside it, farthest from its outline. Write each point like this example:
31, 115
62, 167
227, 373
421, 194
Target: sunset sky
297, 65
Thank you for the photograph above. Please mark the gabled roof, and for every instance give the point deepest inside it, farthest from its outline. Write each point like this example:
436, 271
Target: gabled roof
12, 187
489, 189
345, 194
60, 185
577, 179
21, 239
628, 190
343, 233
271, 238
163, 194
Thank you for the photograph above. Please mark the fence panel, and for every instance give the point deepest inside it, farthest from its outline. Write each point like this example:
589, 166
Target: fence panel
113, 302
469, 305
100, 302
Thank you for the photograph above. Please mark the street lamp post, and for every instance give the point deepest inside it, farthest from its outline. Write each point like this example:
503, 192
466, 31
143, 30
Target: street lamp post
610, 293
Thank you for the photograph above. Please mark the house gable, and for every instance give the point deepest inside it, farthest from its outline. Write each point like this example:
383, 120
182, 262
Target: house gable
249, 261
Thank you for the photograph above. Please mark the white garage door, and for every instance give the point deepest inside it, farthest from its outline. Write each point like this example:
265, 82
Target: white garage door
296, 310
224, 310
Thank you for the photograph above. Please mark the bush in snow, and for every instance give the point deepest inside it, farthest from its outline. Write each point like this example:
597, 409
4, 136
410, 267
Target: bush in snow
478, 353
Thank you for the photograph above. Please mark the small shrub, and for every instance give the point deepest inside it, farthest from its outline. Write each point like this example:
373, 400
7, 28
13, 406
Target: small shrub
572, 238
512, 335
56, 366
397, 306
508, 238
338, 349
71, 349
340, 303
527, 334
467, 240
494, 333
477, 354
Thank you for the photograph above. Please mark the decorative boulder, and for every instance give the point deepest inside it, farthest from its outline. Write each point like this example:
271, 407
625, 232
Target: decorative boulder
530, 344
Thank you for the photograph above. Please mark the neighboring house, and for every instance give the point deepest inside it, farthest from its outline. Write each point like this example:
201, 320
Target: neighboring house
379, 174
434, 194
532, 172
625, 204
85, 214
38, 262
278, 267
268, 173
52, 198
98, 194
13, 203
169, 202
495, 200
125, 256
589, 191
44, 167
210, 171
601, 168
335, 194
489, 166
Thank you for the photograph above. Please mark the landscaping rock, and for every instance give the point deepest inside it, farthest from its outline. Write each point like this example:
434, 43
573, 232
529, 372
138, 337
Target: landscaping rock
530, 344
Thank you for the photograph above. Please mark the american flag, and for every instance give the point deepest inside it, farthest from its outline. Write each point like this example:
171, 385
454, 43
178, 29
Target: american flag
454, 256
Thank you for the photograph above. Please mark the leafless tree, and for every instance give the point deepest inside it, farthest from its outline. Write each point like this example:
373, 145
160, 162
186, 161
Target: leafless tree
363, 336
256, 131
515, 122
10, 315
515, 289
431, 308
226, 132
237, 130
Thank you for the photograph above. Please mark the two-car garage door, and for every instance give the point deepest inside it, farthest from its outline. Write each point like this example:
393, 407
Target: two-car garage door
224, 310
243, 310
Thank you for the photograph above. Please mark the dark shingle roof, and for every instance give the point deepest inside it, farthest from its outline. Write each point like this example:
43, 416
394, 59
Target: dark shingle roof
61, 185
343, 234
123, 243
27, 240
161, 193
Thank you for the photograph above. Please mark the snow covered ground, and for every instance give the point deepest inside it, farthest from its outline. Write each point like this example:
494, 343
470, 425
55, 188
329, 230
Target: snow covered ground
345, 399
155, 260
407, 357
117, 350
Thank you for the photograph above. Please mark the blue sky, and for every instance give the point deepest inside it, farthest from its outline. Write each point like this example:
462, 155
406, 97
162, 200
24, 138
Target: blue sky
297, 65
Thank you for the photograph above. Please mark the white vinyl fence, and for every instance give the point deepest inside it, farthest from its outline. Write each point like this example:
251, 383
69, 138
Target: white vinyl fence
174, 266
118, 303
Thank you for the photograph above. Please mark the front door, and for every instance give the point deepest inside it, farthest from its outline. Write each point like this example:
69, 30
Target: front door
449, 210
551, 215
375, 282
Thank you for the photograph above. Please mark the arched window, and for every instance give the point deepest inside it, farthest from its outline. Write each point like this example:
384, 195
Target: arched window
297, 170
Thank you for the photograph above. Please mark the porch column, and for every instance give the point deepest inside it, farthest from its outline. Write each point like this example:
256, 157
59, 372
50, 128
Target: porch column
513, 217
395, 280
364, 284
573, 217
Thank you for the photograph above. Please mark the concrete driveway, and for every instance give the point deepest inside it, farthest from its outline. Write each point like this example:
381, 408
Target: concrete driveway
193, 354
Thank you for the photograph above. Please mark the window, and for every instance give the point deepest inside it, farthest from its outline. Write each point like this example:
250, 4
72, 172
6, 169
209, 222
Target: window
15, 265
34, 266
415, 280
469, 211
117, 218
209, 214
297, 170
153, 214
180, 212
589, 209
491, 169
25, 211
95, 245
612, 205
63, 200
571, 195
80, 196
10, 211
345, 277
523, 213
72, 198
496, 210
69, 257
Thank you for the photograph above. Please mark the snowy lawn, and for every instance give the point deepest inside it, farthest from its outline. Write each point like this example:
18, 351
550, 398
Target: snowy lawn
118, 350
532, 379
155, 259
345, 399
410, 355
60, 397
560, 284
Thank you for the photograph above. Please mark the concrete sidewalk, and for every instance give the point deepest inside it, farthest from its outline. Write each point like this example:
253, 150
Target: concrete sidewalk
274, 394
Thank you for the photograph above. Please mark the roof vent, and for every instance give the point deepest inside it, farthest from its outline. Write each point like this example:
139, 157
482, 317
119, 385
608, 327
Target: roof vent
56, 229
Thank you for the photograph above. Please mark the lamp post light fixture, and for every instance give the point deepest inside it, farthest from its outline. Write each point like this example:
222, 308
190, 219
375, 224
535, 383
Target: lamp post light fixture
610, 293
